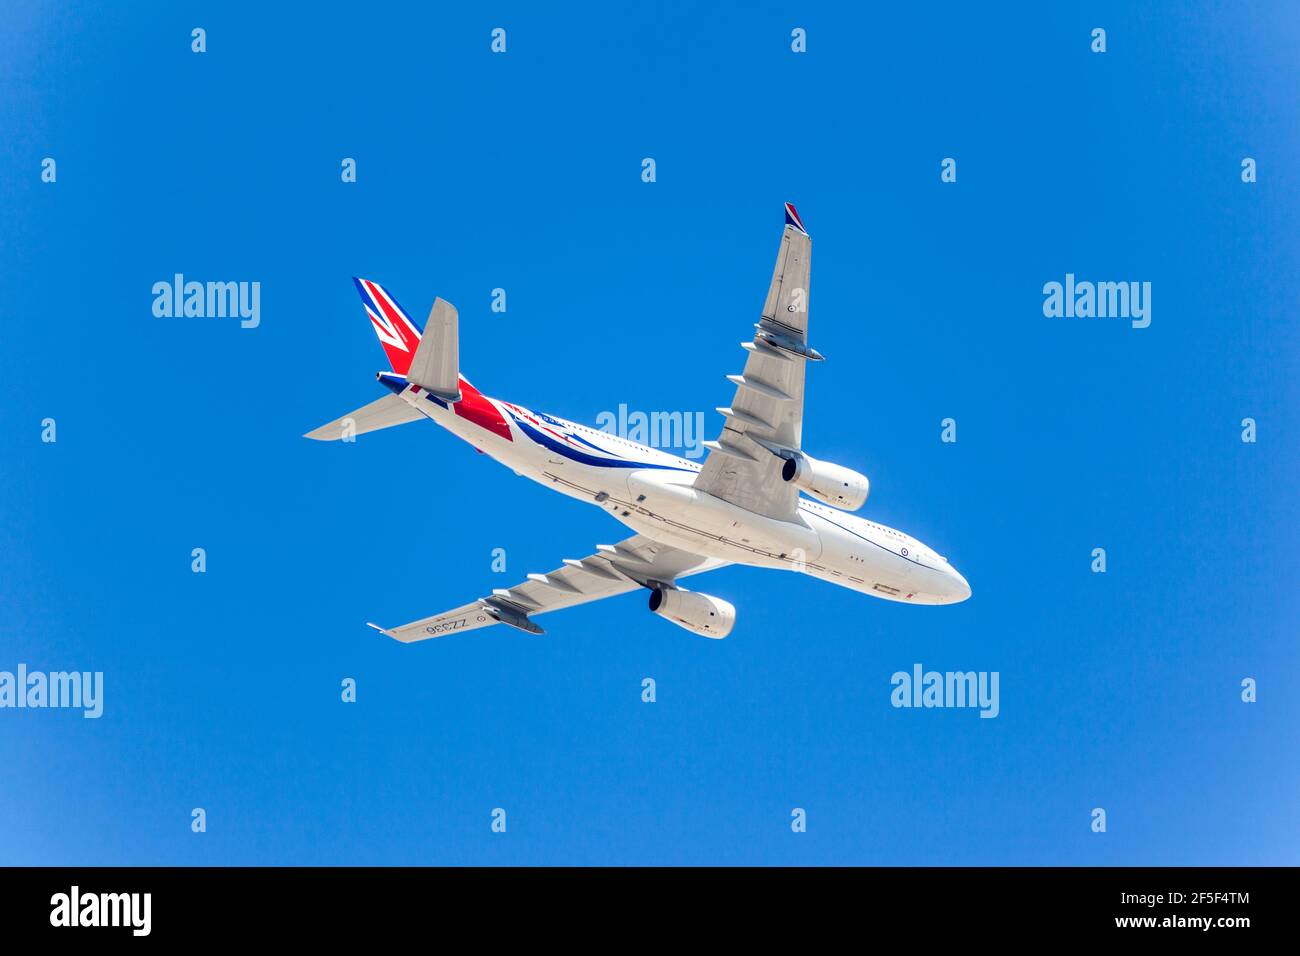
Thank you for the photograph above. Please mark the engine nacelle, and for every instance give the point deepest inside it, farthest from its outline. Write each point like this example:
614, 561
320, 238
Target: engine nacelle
701, 613
834, 484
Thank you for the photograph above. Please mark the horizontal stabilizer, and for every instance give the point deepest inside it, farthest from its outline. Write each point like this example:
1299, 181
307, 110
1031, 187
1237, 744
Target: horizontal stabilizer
383, 413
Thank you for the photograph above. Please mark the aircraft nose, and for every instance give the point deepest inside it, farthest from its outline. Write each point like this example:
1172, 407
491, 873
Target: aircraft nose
959, 589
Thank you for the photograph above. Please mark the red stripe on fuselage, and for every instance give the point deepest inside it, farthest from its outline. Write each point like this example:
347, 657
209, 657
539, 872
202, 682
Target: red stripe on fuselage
474, 407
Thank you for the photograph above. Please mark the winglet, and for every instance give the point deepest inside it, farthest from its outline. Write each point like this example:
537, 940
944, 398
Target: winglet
381, 630
792, 218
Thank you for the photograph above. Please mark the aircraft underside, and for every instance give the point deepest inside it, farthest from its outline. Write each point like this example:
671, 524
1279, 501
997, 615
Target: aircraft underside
758, 499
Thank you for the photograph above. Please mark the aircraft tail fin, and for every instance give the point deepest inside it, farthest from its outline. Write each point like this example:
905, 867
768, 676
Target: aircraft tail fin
436, 365
429, 356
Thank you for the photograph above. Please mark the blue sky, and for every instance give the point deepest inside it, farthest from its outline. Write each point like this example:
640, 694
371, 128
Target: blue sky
522, 171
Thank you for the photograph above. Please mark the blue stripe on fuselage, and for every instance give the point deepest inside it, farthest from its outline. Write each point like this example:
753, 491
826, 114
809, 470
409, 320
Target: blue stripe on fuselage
582, 457
587, 443
397, 384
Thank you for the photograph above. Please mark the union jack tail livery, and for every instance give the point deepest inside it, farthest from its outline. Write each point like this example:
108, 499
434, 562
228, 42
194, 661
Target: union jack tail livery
397, 331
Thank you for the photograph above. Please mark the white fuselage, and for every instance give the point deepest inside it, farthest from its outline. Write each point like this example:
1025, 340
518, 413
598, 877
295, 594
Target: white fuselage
652, 492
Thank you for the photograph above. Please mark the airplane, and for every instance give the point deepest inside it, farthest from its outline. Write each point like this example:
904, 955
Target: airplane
743, 505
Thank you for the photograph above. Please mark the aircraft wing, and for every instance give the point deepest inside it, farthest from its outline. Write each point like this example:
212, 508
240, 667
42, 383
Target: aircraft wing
767, 411
613, 569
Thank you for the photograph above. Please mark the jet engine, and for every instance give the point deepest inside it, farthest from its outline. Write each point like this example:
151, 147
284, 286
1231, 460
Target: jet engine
834, 484
701, 613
